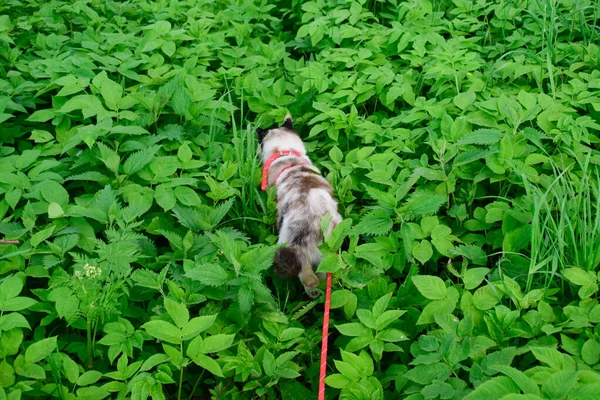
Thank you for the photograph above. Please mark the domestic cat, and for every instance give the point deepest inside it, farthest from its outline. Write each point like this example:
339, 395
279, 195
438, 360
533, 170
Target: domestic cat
303, 198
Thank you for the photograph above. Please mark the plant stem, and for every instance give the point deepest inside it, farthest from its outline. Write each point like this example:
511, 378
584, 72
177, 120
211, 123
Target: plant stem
89, 344
180, 374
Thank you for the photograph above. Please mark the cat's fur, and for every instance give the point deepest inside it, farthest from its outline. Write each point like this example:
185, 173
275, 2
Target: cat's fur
303, 198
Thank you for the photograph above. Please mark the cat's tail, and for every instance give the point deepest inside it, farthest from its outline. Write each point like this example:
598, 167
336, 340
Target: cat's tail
287, 263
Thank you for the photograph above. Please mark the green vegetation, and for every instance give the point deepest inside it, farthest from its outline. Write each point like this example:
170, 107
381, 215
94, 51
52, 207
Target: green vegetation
461, 140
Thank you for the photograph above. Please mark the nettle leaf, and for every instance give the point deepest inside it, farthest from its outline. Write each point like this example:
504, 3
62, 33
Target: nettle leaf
209, 274
424, 203
139, 160
431, 287
482, 137
376, 222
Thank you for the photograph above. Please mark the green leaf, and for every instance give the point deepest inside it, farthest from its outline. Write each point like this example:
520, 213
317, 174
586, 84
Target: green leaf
92, 393
553, 358
591, 352
40, 350
524, 382
486, 297
89, 105
109, 157
111, 91
474, 276
52, 191
559, 384
41, 116
153, 361
495, 388
41, 236
578, 276
464, 100
352, 329
178, 312
216, 343
163, 330
422, 251
55, 211
431, 287
11, 287
187, 196
208, 274
337, 381
425, 374
387, 318
197, 325
424, 203
208, 364
376, 222
481, 136
184, 153
472, 252
13, 320
89, 378
16, 304
290, 334
139, 160
330, 263
165, 197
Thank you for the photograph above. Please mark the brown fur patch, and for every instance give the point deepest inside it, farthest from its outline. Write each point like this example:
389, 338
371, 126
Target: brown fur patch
286, 263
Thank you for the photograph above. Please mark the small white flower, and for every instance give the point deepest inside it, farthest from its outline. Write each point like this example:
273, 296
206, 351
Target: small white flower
91, 271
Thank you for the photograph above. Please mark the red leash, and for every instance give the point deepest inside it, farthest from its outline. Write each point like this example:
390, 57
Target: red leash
275, 156
324, 339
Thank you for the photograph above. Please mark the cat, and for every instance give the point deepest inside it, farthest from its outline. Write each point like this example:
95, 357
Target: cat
303, 198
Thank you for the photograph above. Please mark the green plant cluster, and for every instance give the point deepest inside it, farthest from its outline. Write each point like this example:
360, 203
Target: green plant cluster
460, 138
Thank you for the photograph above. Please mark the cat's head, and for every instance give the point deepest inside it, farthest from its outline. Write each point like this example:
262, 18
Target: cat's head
279, 138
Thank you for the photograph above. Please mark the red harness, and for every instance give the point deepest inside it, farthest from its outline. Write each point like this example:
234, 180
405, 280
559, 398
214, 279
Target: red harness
271, 160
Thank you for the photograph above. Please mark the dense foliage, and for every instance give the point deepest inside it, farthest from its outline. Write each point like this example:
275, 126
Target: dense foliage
461, 140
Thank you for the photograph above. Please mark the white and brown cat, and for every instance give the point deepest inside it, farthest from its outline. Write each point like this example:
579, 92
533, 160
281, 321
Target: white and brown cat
303, 198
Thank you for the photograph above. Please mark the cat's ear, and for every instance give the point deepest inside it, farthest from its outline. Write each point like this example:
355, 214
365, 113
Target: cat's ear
261, 134
288, 122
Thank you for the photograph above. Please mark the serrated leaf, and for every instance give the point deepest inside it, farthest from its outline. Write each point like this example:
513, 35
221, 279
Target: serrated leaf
208, 274
481, 136
139, 160
376, 222
424, 203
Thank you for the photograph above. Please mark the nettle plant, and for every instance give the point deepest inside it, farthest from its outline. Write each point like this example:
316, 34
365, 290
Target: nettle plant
460, 139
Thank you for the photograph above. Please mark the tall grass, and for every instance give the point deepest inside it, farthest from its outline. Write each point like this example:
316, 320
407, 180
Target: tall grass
566, 220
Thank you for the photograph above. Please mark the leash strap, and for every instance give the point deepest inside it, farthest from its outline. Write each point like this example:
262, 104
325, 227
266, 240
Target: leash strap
324, 339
